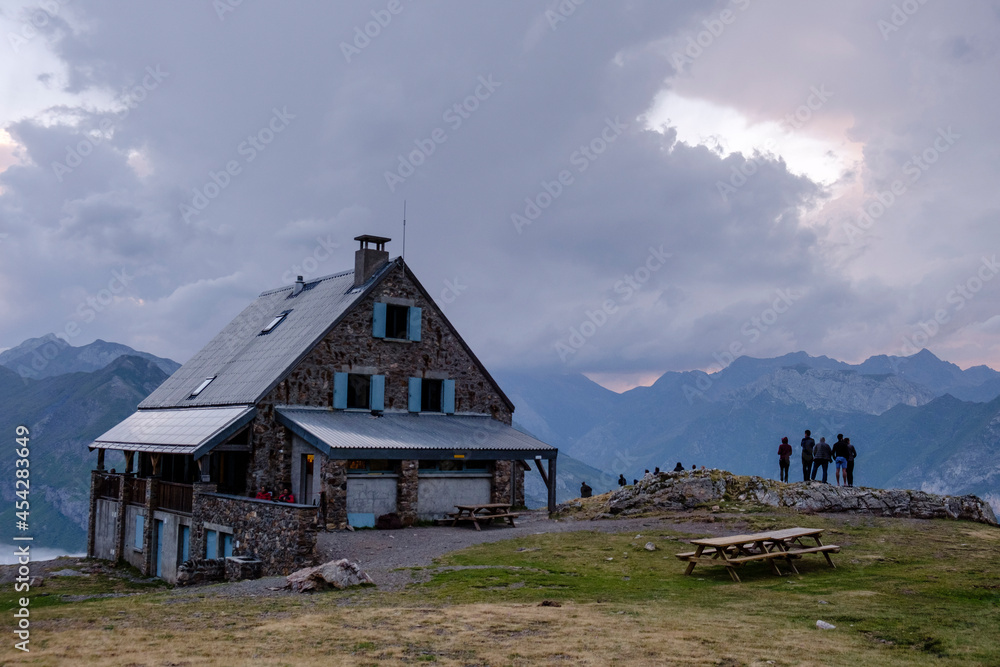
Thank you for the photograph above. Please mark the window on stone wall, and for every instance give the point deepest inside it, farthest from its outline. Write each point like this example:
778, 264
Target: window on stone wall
396, 322
430, 395
359, 391
454, 465
372, 466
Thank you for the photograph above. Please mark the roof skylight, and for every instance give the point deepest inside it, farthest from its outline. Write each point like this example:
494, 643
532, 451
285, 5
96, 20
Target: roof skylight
201, 387
278, 319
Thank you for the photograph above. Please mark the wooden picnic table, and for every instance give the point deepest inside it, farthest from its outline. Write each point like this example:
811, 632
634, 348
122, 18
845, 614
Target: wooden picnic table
771, 546
485, 512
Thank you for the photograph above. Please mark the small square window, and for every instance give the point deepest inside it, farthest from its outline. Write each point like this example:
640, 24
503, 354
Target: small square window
430, 395
396, 320
359, 391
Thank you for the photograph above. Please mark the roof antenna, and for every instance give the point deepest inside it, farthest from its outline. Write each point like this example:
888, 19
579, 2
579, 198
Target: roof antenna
404, 231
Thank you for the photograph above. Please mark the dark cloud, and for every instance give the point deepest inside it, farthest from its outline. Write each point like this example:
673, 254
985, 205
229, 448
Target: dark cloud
198, 194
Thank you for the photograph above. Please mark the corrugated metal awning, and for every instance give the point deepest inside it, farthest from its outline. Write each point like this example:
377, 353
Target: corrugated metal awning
192, 431
346, 434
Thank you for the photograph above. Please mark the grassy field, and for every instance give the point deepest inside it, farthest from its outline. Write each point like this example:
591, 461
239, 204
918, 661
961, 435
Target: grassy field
904, 593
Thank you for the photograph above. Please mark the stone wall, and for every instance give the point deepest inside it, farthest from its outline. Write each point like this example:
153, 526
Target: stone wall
408, 486
333, 477
350, 346
280, 535
686, 490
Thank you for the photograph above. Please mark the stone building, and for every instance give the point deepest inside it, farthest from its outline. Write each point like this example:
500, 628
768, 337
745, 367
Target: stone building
352, 391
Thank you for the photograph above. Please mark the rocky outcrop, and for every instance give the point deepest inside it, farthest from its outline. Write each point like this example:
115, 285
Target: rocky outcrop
337, 574
686, 490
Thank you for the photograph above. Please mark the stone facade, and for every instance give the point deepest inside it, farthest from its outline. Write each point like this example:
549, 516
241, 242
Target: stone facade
351, 347
333, 475
408, 484
281, 536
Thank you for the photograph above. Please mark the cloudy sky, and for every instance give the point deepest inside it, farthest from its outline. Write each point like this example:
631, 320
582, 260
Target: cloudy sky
617, 188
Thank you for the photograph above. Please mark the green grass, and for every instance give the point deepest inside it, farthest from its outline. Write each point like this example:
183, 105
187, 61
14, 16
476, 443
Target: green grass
931, 587
903, 593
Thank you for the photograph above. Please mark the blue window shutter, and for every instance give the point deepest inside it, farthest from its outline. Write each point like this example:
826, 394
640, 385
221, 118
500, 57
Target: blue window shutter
413, 331
340, 391
378, 321
211, 544
140, 524
378, 392
414, 403
448, 397
227, 545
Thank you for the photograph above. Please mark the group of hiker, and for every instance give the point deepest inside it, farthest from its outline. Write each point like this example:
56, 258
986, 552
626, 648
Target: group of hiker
817, 456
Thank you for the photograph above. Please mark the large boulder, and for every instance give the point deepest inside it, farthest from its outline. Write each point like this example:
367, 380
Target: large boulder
339, 574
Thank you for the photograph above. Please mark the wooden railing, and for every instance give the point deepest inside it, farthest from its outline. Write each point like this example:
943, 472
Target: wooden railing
108, 486
137, 490
174, 497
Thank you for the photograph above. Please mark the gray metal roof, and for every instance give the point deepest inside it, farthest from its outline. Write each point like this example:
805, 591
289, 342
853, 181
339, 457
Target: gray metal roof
347, 434
188, 431
246, 364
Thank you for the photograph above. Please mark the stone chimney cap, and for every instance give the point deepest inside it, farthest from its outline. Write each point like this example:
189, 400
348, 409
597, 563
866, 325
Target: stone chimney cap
379, 241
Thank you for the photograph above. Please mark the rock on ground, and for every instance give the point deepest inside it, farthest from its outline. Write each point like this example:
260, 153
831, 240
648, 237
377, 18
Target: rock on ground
338, 574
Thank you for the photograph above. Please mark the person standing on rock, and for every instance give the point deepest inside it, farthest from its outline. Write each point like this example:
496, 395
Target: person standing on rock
851, 454
808, 444
821, 458
840, 459
784, 459
621, 480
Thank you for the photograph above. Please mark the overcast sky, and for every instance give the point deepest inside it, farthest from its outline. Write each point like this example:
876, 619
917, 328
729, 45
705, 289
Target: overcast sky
616, 188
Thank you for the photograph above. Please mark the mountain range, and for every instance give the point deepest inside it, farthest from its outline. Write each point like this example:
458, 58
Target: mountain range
50, 355
917, 422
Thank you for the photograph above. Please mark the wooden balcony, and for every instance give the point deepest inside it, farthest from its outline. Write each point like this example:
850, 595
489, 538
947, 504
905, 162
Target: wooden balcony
108, 486
137, 490
173, 497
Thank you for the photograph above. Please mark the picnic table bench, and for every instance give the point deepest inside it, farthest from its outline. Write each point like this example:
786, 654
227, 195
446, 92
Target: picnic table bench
486, 513
770, 546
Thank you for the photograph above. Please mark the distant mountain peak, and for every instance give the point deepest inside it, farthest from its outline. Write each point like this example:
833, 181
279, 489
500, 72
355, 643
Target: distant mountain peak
49, 355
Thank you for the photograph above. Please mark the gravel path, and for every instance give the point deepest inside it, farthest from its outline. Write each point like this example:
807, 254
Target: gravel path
381, 553
385, 554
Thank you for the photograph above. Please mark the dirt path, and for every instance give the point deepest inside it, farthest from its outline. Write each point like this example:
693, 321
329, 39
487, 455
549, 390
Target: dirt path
383, 552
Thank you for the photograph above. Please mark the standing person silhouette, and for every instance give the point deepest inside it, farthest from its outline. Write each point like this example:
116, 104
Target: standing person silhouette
784, 459
851, 455
821, 458
808, 444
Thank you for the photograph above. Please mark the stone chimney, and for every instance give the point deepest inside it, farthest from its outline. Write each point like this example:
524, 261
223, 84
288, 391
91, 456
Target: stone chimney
369, 260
